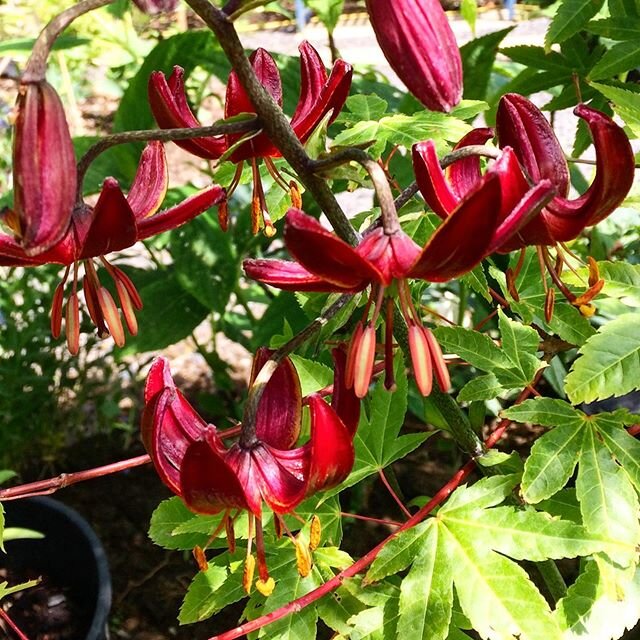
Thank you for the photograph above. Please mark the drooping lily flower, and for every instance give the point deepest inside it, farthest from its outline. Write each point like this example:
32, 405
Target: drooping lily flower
114, 223
417, 40
320, 95
531, 155
44, 169
265, 465
325, 263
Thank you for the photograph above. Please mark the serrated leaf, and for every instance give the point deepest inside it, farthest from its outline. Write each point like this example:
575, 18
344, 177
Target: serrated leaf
624, 447
538, 58
426, 593
548, 412
609, 362
625, 104
563, 504
587, 611
313, 375
523, 534
168, 516
199, 601
484, 387
398, 553
519, 345
478, 57
497, 595
478, 282
474, 347
571, 17
608, 501
616, 28
6, 590
551, 463
621, 57
485, 493
363, 107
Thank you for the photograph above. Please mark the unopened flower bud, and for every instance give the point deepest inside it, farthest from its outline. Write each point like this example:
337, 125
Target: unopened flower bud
418, 42
44, 168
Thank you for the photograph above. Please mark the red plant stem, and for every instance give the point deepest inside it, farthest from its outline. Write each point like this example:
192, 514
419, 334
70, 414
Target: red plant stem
5, 616
51, 485
357, 516
361, 564
393, 494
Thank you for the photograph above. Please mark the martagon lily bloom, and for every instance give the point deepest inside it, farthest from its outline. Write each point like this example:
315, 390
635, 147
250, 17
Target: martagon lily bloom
114, 223
384, 261
266, 465
536, 157
321, 96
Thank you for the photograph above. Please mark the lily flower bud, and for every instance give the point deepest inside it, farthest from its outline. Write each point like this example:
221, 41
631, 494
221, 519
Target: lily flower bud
44, 168
418, 42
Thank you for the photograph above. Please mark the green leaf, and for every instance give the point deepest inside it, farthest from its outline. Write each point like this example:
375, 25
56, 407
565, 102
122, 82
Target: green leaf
548, 412
6, 590
621, 279
538, 58
497, 595
168, 516
618, 28
363, 107
609, 362
426, 594
485, 493
572, 16
608, 501
199, 602
484, 387
478, 349
328, 11
519, 345
587, 611
563, 504
398, 553
313, 375
621, 57
478, 282
624, 447
204, 262
478, 57
625, 104
469, 11
624, 8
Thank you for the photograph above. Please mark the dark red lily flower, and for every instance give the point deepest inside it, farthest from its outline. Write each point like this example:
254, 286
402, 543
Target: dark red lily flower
417, 40
263, 466
324, 262
320, 95
114, 223
531, 154
44, 169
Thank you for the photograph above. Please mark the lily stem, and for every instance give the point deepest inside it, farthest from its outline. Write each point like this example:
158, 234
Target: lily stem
272, 118
163, 135
248, 435
36, 68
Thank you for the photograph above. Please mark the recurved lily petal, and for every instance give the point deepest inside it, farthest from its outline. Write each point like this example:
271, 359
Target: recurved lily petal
313, 76
344, 401
169, 424
418, 42
331, 447
431, 179
288, 275
44, 168
168, 102
325, 255
465, 174
237, 102
182, 212
150, 183
614, 175
521, 126
112, 224
208, 483
463, 239
279, 412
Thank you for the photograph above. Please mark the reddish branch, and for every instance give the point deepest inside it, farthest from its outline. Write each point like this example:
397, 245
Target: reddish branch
51, 485
361, 564
12, 625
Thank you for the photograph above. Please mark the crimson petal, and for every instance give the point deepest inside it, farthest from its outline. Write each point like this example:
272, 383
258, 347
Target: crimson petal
313, 76
279, 412
431, 179
168, 102
179, 214
151, 181
332, 453
112, 224
344, 401
325, 255
463, 239
289, 275
209, 485
613, 179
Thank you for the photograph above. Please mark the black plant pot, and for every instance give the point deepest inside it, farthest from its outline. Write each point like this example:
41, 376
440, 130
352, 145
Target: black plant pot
70, 554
